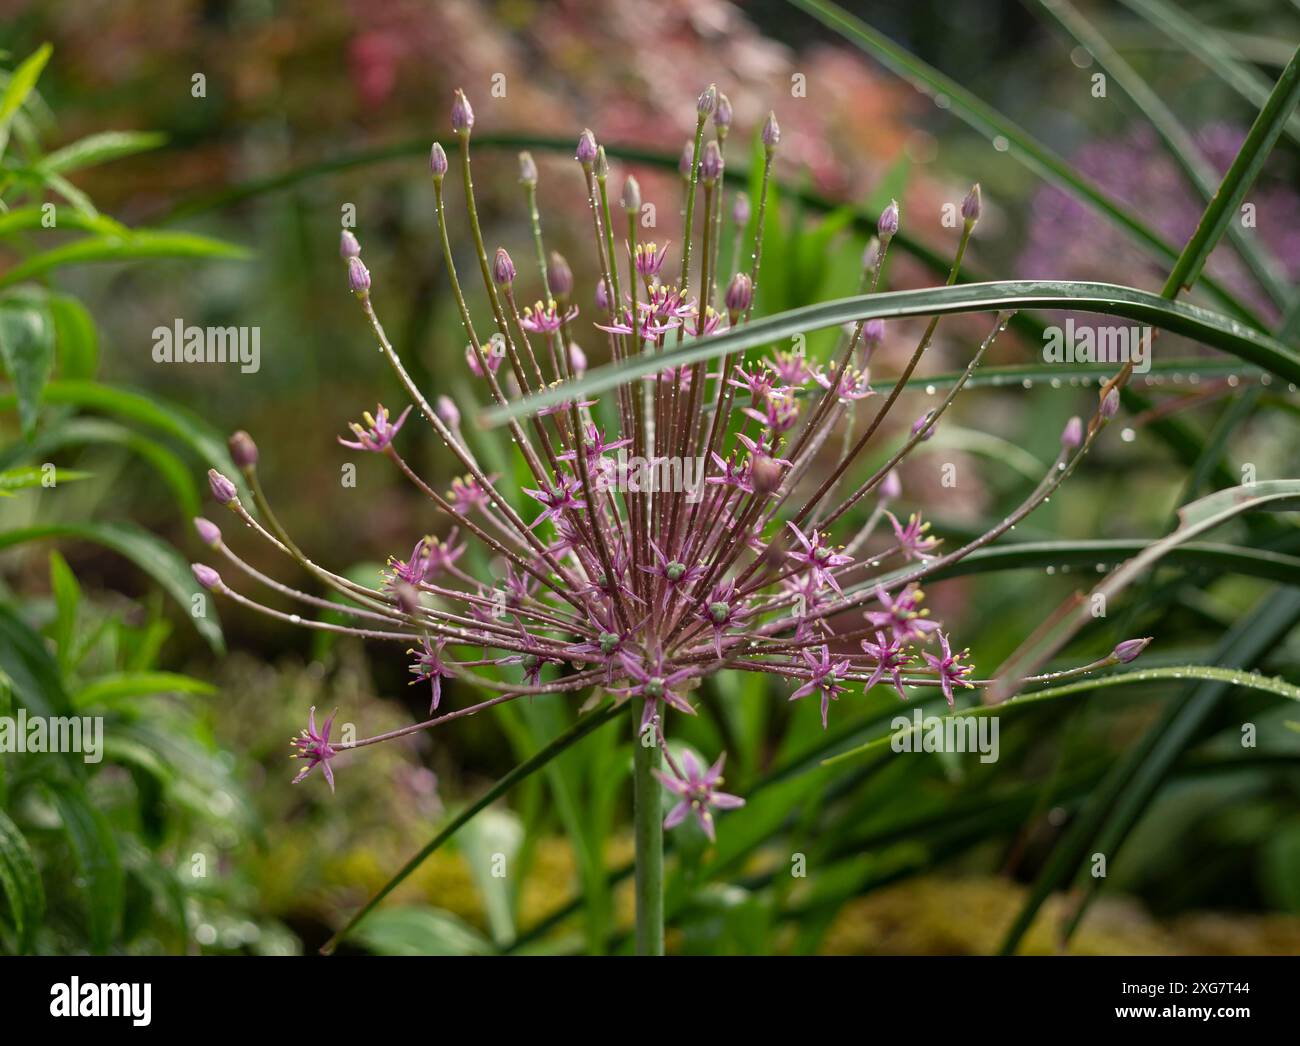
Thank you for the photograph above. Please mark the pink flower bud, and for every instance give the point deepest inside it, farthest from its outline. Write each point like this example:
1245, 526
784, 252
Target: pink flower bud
209, 533
358, 276
1110, 403
890, 487
242, 449
503, 269
1072, 435
222, 489
771, 132
448, 412
740, 293
348, 245
1130, 649
462, 116
206, 576
437, 160
527, 169
888, 224
559, 276
722, 115
708, 100
740, 209
971, 206
586, 148
711, 164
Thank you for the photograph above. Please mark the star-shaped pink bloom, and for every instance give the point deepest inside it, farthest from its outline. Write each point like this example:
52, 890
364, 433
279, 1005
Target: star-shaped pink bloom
698, 792
950, 669
315, 747
825, 677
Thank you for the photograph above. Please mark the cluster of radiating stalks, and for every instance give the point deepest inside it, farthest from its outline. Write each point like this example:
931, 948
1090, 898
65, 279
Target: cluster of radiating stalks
636, 588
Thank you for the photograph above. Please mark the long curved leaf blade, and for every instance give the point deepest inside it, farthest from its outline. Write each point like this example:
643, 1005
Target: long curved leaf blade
1115, 806
21, 882
982, 117
1202, 324
147, 551
1169, 129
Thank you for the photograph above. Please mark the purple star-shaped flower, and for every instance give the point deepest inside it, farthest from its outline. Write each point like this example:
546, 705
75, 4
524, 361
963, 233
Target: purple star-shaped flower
825, 677
951, 670
699, 793
315, 747
377, 432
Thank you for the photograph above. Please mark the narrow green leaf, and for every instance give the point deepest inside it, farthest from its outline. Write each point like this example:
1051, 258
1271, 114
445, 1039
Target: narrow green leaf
1019, 143
21, 82
1178, 142
417, 930
99, 148
76, 340
95, 851
139, 244
26, 478
1193, 321
1179, 25
67, 601
1241, 176
21, 882
27, 668
148, 552
27, 348
1114, 807
111, 689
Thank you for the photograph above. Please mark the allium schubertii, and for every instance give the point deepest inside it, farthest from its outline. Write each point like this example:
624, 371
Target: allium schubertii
694, 521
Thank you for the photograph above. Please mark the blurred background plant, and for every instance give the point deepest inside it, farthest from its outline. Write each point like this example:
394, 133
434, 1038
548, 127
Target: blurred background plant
270, 122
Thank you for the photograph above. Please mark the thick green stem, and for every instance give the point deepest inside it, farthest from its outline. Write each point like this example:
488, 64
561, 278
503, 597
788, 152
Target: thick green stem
649, 829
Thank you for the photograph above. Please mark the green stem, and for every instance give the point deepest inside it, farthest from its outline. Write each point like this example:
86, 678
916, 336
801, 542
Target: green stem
649, 830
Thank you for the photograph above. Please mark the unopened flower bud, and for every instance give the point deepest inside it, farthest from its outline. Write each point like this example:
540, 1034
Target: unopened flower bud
1130, 649
971, 206
206, 576
586, 148
462, 116
890, 487
503, 269
722, 115
559, 276
577, 359
765, 474
602, 164
740, 209
873, 332
740, 294
602, 295
708, 101
358, 276
922, 424
1072, 434
448, 412
711, 164
437, 160
1110, 403
348, 245
771, 132
243, 451
632, 195
888, 224
527, 169
209, 533
222, 489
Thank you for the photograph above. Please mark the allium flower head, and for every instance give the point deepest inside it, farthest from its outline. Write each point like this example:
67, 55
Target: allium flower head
703, 513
